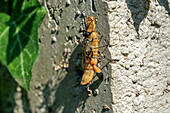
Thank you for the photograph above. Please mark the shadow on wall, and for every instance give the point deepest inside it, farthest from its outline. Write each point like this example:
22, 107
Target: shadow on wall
139, 10
68, 93
165, 3
25, 101
7, 91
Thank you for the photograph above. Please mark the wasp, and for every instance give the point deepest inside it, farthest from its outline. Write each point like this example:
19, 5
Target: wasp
90, 52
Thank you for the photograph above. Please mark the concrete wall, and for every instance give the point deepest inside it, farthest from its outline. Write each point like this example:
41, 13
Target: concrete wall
141, 45
137, 80
60, 90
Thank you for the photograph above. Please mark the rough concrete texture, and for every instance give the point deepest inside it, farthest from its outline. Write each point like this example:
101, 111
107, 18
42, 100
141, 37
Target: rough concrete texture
138, 79
58, 90
141, 45
7, 91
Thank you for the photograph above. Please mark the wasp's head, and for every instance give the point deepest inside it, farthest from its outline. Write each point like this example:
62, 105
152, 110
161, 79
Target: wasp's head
91, 25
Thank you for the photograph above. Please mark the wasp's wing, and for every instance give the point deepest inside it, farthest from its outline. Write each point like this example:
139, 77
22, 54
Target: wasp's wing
85, 51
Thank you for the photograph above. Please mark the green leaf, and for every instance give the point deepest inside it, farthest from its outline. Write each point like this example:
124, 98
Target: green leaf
19, 39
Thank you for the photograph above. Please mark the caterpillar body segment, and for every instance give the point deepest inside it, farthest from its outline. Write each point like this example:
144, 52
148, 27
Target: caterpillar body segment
90, 53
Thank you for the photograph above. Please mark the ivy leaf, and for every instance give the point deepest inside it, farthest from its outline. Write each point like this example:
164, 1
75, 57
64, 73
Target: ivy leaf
19, 39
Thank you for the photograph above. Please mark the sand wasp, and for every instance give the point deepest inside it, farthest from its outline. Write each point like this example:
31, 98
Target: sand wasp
90, 52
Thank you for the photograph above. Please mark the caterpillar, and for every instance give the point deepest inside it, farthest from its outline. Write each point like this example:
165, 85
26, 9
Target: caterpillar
90, 52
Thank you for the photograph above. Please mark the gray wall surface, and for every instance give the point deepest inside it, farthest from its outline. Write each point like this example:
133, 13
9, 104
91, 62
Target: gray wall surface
59, 90
136, 81
141, 44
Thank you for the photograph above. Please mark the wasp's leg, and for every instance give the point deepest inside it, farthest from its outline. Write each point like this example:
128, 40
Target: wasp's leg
99, 35
101, 56
100, 38
106, 78
85, 42
91, 48
106, 64
107, 45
